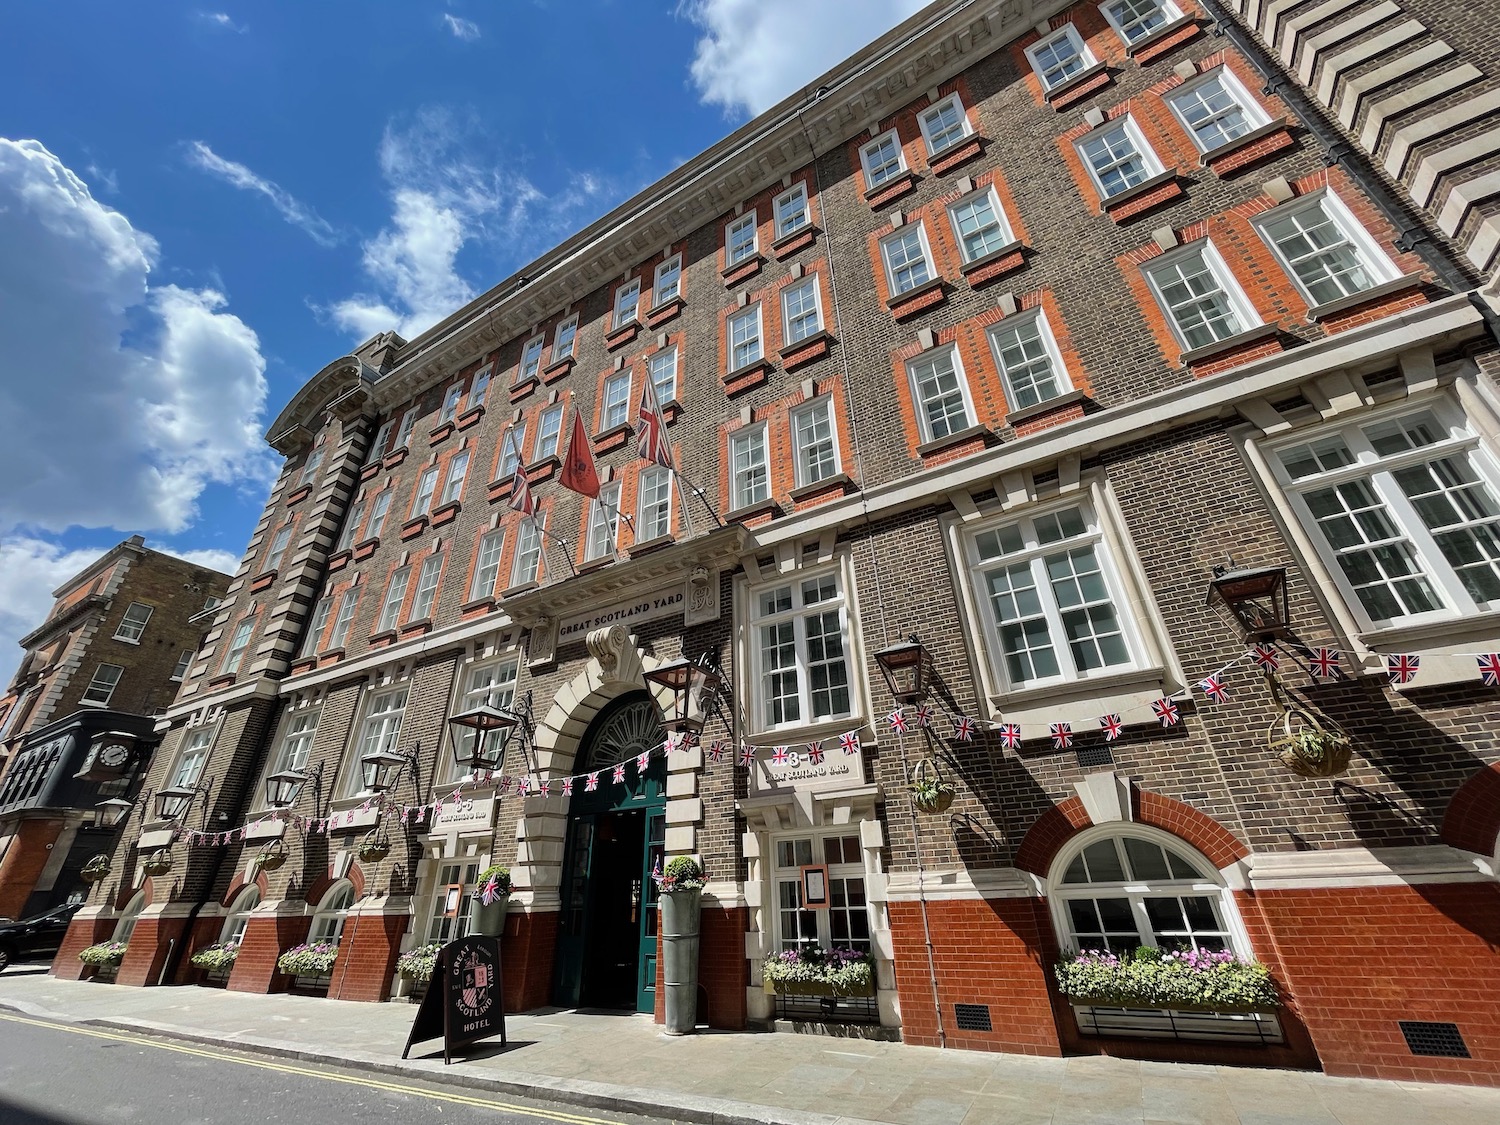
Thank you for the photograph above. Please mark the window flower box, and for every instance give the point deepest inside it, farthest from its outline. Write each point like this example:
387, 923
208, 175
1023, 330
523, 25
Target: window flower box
812, 971
1200, 980
416, 965
311, 959
104, 957
217, 958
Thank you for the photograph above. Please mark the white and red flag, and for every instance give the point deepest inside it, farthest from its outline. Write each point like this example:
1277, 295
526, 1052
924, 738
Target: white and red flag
1401, 668
1112, 727
1062, 735
1010, 735
1325, 663
1489, 669
849, 743
963, 729
1214, 688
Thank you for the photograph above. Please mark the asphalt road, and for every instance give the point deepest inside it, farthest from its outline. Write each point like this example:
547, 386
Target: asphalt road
59, 1074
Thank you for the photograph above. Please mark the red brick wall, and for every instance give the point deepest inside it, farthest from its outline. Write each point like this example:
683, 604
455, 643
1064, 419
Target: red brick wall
82, 933
987, 951
265, 938
150, 942
367, 956
1358, 959
526, 952
27, 855
723, 972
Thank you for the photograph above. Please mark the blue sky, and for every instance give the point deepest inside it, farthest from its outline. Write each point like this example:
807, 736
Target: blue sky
200, 206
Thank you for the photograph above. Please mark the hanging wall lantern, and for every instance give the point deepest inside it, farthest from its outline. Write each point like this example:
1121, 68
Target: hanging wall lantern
1257, 598
694, 688
904, 665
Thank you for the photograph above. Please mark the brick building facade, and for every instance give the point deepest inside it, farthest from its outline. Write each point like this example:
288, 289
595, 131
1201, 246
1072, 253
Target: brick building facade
1005, 333
107, 660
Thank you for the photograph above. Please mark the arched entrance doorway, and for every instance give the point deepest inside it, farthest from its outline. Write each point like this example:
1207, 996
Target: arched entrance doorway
606, 944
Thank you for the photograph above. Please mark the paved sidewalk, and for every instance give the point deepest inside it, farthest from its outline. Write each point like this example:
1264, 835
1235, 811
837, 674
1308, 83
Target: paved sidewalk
623, 1063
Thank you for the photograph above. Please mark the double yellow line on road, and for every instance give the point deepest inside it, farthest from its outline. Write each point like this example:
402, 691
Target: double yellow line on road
326, 1076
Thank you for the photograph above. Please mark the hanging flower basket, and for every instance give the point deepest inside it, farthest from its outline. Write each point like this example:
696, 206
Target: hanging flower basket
929, 792
158, 862
1181, 980
812, 971
271, 858
373, 848
1306, 747
311, 959
95, 870
217, 958
107, 954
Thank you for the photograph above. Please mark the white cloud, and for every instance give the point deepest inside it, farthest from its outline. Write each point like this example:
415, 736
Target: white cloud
224, 562
223, 20
122, 401
467, 30
753, 53
290, 208
442, 201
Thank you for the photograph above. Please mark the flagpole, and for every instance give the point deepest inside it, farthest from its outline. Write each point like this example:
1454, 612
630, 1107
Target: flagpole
568, 547
681, 481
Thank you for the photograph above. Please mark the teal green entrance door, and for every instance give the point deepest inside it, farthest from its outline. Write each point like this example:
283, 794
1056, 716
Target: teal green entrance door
606, 943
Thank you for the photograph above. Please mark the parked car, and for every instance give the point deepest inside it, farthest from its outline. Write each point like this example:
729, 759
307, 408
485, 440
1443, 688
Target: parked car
40, 936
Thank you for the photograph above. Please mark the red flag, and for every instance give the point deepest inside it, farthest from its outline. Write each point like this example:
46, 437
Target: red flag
651, 427
578, 471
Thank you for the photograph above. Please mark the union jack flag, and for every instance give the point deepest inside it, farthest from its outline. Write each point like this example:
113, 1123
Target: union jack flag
619, 774
1402, 668
963, 729
504, 786
716, 750
592, 783
1489, 669
815, 753
1165, 711
1214, 688
544, 787
643, 761
897, 721
523, 787
1325, 663
778, 756
747, 755
1010, 736
688, 739
671, 743
849, 743
521, 497
923, 716
1062, 735
567, 787
1111, 726
651, 428
1266, 657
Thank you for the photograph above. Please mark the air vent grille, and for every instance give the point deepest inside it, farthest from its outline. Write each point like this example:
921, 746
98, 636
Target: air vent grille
1434, 1040
972, 1017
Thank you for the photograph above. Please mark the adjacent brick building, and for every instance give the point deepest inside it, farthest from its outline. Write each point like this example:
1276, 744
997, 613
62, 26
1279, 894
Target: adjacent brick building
79, 715
1007, 333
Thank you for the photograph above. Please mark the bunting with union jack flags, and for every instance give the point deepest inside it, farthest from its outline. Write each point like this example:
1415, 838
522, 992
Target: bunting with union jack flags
815, 753
1062, 735
1324, 663
1166, 712
1265, 656
1010, 735
897, 720
849, 743
1111, 726
1213, 687
1402, 668
963, 729
1489, 668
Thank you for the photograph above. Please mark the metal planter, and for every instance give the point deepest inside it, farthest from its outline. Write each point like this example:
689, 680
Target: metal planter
489, 920
679, 954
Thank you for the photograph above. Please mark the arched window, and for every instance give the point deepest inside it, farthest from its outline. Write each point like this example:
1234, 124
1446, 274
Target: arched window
239, 915
1121, 889
328, 922
126, 925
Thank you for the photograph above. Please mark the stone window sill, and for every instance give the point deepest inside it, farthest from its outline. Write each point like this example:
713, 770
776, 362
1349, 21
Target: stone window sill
1206, 159
646, 546
1374, 293
751, 511
622, 335
1112, 202
558, 369
894, 303
1045, 407
1064, 89
993, 256
895, 186
842, 482
1229, 343
948, 441
1159, 34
